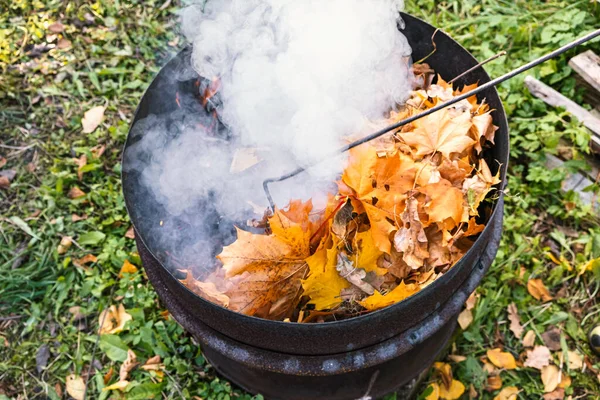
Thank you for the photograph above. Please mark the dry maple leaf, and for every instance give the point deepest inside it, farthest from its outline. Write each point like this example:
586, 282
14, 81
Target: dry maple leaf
270, 267
538, 358
483, 129
445, 204
501, 359
529, 339
557, 394
113, 319
410, 239
75, 193
92, 118
537, 289
207, 289
440, 132
381, 184
515, 322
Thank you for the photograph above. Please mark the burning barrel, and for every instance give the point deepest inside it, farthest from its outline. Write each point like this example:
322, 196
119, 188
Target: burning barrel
369, 355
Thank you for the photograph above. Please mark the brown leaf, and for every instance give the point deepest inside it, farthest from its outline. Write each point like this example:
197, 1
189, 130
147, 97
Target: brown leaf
270, 266
207, 290
551, 338
440, 132
130, 234
75, 387
515, 321
113, 319
2, 161
529, 339
63, 43
98, 150
457, 358
410, 239
129, 364
537, 289
75, 193
92, 118
75, 217
465, 318
153, 364
83, 261
472, 301
538, 358
64, 244
558, 394
4, 182
56, 27
80, 162
493, 383
550, 378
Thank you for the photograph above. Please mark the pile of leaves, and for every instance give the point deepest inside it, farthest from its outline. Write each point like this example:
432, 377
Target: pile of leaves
406, 209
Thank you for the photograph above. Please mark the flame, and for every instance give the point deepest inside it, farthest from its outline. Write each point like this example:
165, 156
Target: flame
210, 91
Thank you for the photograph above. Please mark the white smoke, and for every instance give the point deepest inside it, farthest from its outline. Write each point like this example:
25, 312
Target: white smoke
298, 78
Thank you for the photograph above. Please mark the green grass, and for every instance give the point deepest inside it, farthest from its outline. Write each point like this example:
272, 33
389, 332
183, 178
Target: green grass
117, 47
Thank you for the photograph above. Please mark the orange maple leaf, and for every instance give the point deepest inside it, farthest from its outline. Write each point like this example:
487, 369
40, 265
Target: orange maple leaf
381, 184
445, 203
269, 267
441, 132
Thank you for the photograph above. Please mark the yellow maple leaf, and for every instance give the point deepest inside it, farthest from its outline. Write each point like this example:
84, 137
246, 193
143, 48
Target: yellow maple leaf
440, 132
445, 203
454, 392
324, 284
501, 359
113, 319
399, 293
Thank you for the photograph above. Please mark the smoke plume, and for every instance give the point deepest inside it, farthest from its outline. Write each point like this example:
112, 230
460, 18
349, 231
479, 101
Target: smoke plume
298, 79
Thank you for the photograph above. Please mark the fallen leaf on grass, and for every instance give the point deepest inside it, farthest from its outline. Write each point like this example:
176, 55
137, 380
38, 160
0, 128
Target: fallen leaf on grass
565, 381
444, 371
493, 383
92, 118
75, 217
435, 394
465, 318
515, 321
537, 289
130, 234
558, 394
538, 358
129, 364
457, 358
550, 378
551, 338
529, 339
2, 161
56, 27
472, 301
113, 319
75, 193
98, 150
64, 44
106, 378
80, 162
508, 393
153, 364
83, 261
75, 386
501, 359
575, 360
64, 244
454, 392
121, 385
127, 268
